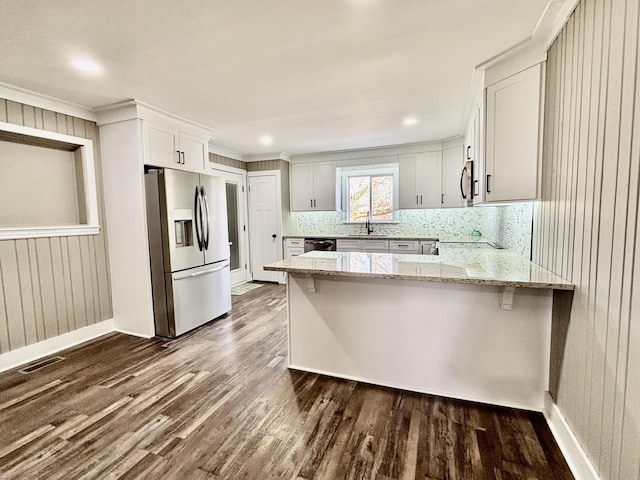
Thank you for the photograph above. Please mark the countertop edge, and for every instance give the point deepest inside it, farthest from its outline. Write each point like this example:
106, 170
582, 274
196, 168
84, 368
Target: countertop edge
415, 238
422, 278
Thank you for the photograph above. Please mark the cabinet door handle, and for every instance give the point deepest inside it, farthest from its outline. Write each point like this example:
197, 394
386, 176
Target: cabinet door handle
442, 198
420, 199
315, 204
178, 152
311, 203
468, 152
182, 153
488, 189
417, 199
464, 195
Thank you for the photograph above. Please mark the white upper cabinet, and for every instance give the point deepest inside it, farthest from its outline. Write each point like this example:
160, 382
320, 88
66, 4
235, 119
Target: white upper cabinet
167, 147
194, 151
511, 163
452, 164
313, 186
420, 180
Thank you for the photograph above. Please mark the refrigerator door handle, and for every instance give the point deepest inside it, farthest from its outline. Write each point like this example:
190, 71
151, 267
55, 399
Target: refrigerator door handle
201, 272
205, 202
198, 218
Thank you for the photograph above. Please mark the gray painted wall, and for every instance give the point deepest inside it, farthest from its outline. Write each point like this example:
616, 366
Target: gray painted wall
51, 286
586, 229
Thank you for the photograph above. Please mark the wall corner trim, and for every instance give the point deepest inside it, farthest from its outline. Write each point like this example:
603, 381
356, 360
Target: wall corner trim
573, 452
21, 356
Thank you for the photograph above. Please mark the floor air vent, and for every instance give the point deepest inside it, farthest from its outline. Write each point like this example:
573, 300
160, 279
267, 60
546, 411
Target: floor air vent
45, 362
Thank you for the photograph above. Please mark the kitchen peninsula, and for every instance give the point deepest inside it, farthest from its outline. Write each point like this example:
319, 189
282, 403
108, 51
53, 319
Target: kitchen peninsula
473, 324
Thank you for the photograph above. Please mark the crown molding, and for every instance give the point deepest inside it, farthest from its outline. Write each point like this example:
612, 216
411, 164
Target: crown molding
135, 109
263, 157
39, 100
223, 152
372, 152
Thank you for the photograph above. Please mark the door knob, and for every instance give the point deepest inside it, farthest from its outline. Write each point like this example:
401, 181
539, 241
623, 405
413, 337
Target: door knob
273, 236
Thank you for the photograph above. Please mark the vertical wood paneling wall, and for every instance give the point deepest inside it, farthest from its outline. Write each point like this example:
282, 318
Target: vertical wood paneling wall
586, 228
229, 162
51, 286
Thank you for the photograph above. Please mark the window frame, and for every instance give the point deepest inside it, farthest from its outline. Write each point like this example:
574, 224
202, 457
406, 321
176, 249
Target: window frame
85, 148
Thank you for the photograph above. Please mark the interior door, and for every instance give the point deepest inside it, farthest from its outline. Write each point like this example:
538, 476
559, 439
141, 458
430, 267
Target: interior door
265, 233
215, 214
236, 223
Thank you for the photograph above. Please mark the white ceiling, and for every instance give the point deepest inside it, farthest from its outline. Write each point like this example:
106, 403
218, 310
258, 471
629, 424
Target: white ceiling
315, 75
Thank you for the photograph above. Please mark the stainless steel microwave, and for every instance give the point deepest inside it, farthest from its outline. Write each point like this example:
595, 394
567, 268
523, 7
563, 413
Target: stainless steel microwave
467, 184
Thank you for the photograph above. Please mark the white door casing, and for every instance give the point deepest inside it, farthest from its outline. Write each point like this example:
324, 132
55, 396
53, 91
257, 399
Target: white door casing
265, 223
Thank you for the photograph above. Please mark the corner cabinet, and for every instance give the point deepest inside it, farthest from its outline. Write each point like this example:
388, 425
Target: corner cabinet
513, 134
168, 147
313, 186
420, 180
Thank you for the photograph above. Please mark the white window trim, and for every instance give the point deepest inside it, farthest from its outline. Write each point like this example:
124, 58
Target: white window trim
92, 227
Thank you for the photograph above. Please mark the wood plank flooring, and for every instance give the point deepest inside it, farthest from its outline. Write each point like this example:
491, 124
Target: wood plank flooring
219, 403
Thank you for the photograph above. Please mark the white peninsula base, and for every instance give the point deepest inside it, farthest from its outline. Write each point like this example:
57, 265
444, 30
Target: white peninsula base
440, 338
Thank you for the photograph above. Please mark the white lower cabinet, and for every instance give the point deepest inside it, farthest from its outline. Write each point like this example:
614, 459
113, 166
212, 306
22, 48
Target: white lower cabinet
347, 245
293, 247
404, 246
365, 245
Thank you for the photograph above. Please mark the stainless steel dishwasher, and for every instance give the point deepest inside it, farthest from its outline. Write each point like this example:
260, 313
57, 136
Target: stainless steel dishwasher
326, 244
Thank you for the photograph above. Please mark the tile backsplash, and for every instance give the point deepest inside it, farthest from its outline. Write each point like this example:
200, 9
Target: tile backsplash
507, 225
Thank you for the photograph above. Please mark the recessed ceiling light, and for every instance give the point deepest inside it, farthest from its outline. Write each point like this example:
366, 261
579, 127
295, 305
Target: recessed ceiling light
85, 65
266, 140
410, 121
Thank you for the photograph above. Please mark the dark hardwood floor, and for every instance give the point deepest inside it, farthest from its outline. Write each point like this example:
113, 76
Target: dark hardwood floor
219, 403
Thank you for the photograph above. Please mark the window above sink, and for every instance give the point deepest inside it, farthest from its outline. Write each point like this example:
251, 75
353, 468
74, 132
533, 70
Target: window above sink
369, 192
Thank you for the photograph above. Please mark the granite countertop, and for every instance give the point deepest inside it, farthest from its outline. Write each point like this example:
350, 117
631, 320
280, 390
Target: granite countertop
445, 238
453, 265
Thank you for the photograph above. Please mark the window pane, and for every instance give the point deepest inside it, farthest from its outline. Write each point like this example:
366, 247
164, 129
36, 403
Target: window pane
358, 198
382, 197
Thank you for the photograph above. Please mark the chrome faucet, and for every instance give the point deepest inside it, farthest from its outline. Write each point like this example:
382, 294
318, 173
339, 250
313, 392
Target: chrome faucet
367, 224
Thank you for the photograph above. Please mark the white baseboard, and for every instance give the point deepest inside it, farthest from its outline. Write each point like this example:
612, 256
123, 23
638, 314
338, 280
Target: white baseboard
575, 456
133, 334
27, 354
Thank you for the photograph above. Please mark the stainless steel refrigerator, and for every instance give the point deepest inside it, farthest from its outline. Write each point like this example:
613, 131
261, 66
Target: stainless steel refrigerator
189, 249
